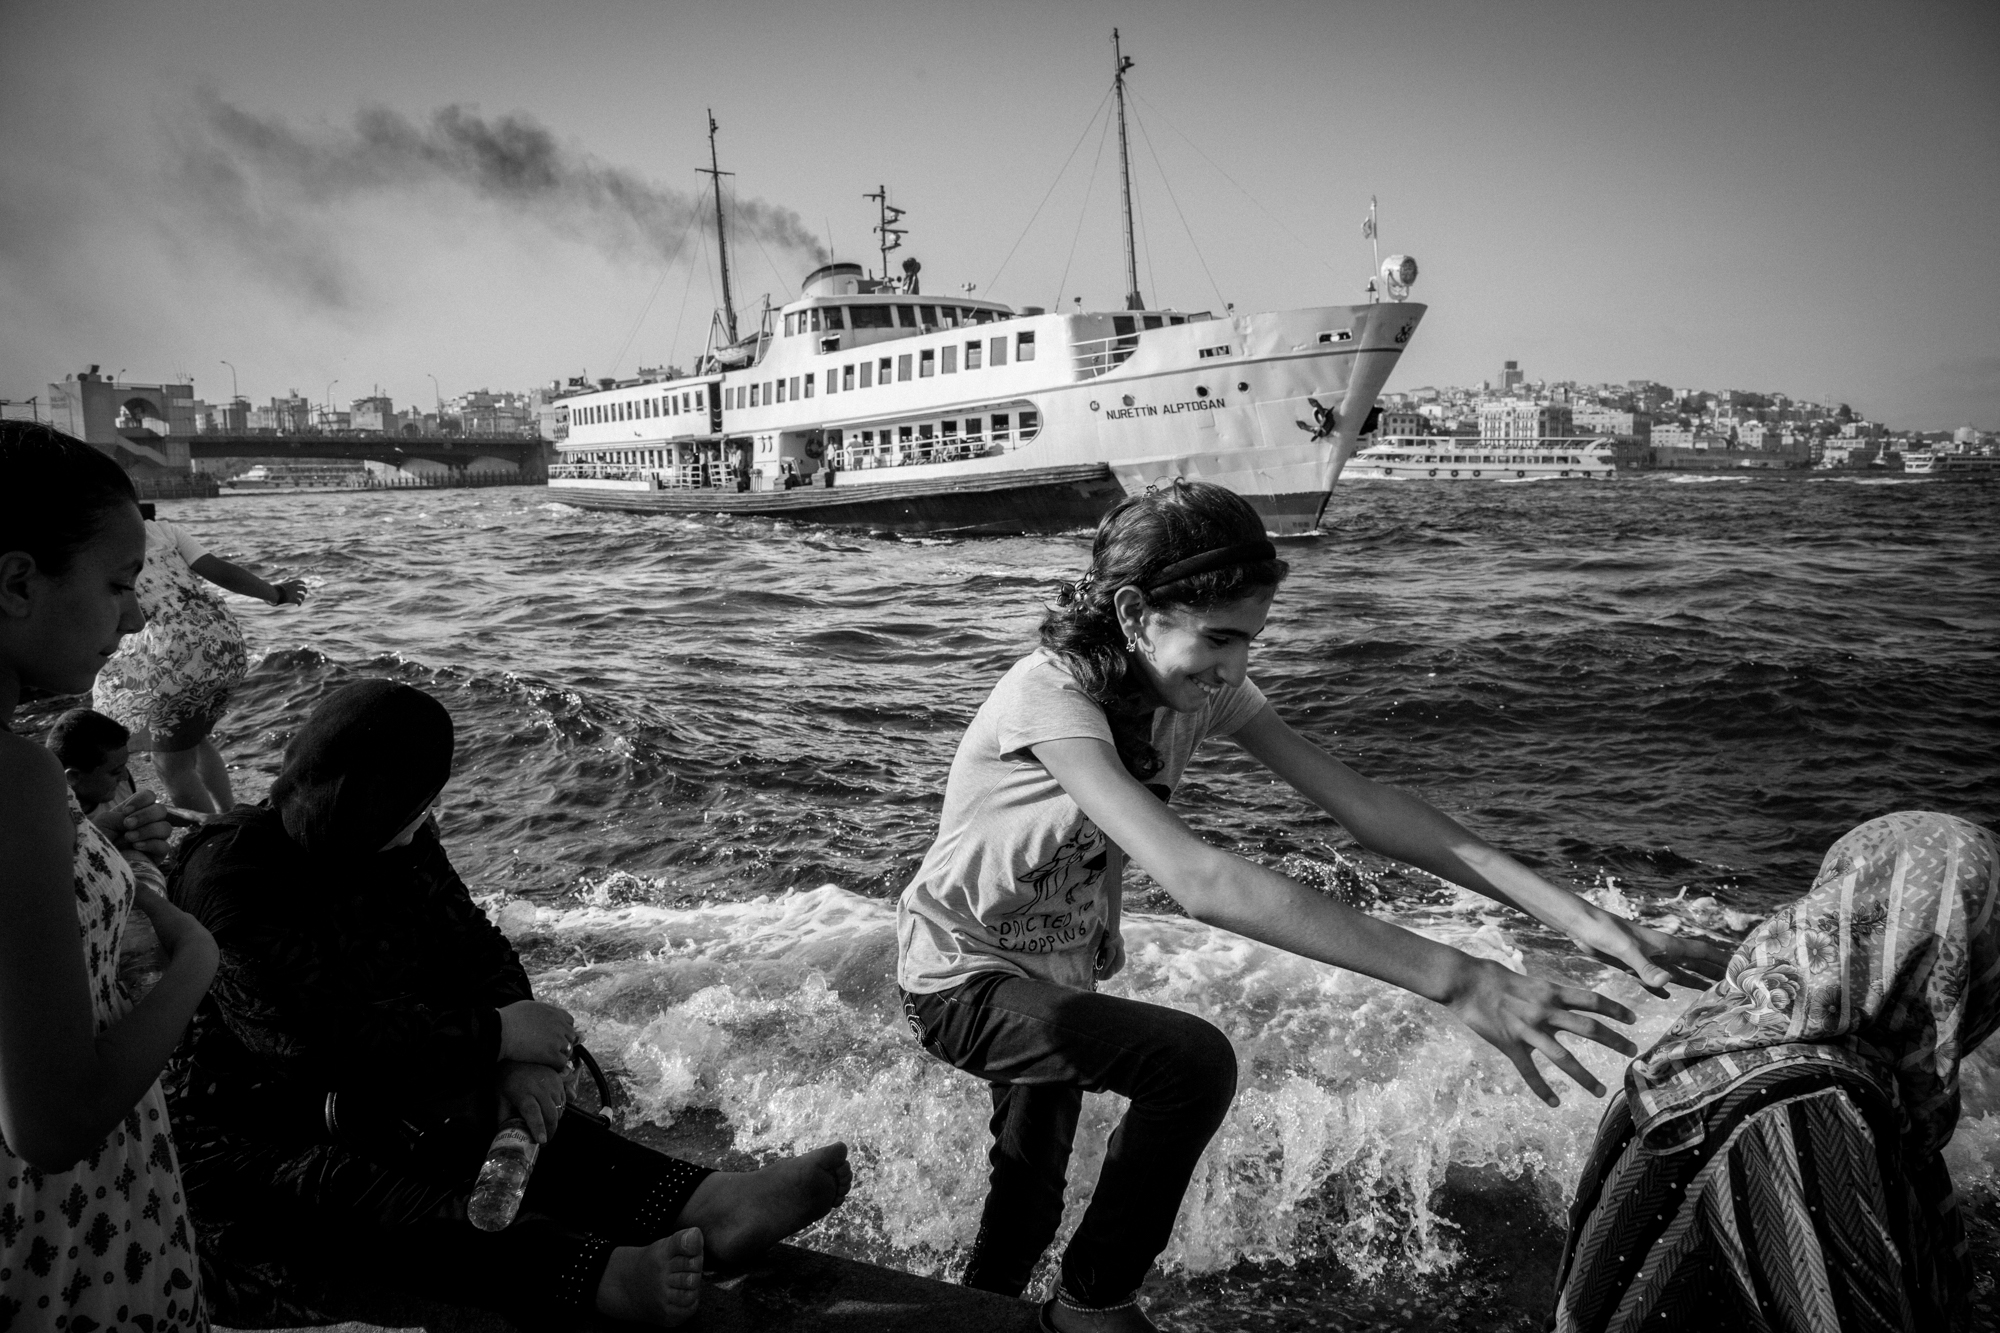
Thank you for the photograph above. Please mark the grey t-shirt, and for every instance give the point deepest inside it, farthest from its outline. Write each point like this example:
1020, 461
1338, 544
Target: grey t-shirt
1015, 881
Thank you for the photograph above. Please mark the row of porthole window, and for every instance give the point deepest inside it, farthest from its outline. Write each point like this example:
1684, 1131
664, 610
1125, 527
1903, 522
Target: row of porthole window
923, 365
931, 441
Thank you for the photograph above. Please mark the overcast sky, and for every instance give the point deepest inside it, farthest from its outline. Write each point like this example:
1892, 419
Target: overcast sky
1794, 197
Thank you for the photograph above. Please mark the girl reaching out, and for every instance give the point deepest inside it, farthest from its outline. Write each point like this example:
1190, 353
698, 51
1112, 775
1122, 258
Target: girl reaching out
1014, 915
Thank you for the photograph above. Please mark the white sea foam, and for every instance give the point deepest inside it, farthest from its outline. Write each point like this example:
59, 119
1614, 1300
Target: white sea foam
1354, 1098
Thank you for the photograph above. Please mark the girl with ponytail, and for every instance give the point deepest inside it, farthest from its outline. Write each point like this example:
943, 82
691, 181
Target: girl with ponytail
1014, 915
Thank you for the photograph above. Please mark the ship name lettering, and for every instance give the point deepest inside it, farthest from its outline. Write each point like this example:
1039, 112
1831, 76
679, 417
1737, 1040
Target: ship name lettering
1170, 409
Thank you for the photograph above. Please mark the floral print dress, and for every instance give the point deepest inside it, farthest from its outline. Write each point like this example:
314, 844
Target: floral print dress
104, 1245
174, 677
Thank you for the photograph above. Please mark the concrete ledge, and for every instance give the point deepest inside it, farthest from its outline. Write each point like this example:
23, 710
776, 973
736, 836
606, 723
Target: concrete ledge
790, 1291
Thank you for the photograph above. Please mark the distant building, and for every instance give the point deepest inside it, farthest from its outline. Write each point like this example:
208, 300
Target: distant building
1515, 420
1510, 377
1597, 420
1403, 425
376, 415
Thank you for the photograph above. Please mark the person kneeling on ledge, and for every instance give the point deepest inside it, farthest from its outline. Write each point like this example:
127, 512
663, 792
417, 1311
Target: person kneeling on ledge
368, 1031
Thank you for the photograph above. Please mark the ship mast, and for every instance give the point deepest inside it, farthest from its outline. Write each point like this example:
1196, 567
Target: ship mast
714, 169
1121, 63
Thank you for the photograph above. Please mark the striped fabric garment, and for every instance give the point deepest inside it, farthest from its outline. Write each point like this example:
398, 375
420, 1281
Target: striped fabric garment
1773, 1162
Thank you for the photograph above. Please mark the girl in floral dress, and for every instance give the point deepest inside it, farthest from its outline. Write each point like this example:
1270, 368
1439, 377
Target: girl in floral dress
172, 680
94, 1233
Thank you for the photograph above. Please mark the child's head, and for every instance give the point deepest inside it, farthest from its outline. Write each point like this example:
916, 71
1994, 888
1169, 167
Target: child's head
94, 751
71, 546
1171, 554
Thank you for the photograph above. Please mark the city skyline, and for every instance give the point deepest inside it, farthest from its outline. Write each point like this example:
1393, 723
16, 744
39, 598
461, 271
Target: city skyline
1692, 194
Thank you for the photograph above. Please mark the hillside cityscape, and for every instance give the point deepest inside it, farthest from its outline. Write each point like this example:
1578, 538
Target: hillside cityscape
1649, 425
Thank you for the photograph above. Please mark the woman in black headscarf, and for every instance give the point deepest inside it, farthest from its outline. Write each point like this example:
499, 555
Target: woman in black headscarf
369, 1028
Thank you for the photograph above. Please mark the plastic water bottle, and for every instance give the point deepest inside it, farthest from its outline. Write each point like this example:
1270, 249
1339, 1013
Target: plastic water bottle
496, 1196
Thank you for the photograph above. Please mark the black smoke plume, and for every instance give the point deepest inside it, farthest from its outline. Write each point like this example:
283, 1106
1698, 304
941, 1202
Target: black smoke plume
267, 181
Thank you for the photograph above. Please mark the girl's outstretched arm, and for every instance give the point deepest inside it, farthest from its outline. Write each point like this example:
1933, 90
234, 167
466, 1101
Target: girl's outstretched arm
1518, 1014
63, 1086
1397, 824
225, 574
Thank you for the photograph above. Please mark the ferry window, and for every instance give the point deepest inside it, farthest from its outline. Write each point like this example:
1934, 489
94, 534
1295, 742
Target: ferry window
834, 323
973, 426
753, 394
972, 351
1152, 321
1120, 325
791, 325
809, 382
813, 318
999, 426
846, 378
930, 315
768, 400
1024, 347
948, 359
1029, 422
926, 363
872, 317
902, 366
867, 372
999, 350
906, 315
795, 387
950, 432
926, 431
1176, 319
903, 434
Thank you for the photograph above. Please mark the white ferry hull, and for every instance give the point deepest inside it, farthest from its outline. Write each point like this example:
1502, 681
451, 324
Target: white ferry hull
1451, 459
1269, 405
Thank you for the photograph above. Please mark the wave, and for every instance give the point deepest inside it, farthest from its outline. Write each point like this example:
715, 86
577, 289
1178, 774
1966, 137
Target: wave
1354, 1100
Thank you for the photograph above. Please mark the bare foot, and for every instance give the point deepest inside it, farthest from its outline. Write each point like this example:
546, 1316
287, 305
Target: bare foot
744, 1213
1124, 1319
658, 1284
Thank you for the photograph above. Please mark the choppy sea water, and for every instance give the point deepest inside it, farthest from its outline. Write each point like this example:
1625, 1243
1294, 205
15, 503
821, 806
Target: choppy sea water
698, 759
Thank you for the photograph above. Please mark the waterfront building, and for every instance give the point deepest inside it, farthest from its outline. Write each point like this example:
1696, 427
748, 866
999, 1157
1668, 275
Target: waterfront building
1514, 420
1510, 377
375, 414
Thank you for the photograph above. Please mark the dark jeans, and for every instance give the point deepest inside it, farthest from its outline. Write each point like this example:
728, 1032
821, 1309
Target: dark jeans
1042, 1047
401, 1214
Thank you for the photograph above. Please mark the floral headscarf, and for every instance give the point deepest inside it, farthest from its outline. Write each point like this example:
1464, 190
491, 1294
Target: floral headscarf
1890, 965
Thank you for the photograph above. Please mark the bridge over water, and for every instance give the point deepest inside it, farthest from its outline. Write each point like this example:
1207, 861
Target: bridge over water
529, 454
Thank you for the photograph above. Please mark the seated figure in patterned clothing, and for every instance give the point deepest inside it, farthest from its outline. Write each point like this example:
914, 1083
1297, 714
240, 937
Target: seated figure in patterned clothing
369, 1029
1774, 1162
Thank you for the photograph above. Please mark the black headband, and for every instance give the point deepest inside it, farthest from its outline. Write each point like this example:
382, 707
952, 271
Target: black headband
1222, 557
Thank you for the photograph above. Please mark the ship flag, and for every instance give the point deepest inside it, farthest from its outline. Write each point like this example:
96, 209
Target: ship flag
1368, 225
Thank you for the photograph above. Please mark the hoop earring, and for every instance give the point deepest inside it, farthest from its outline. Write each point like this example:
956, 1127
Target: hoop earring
1131, 643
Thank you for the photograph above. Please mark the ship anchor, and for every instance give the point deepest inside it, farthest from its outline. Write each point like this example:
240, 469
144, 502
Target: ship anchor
1328, 419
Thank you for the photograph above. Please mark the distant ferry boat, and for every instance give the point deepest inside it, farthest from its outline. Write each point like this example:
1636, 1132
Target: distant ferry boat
306, 475
867, 402
1462, 458
1930, 463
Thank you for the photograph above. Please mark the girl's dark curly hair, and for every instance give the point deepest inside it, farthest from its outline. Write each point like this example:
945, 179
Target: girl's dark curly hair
1135, 542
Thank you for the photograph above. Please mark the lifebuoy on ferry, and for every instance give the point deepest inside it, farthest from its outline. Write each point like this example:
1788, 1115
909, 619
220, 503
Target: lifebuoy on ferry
815, 448
1454, 472
1475, 472
1521, 474
1434, 472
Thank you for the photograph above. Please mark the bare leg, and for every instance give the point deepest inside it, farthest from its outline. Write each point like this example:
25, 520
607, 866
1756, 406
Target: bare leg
214, 774
177, 770
658, 1284
744, 1213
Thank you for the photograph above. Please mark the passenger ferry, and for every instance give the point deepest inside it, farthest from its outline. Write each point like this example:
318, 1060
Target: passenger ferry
1464, 458
1938, 463
867, 401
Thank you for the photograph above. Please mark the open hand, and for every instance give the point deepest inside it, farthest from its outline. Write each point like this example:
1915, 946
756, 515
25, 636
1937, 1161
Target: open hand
138, 823
536, 1094
537, 1033
291, 592
1520, 1015
1653, 956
